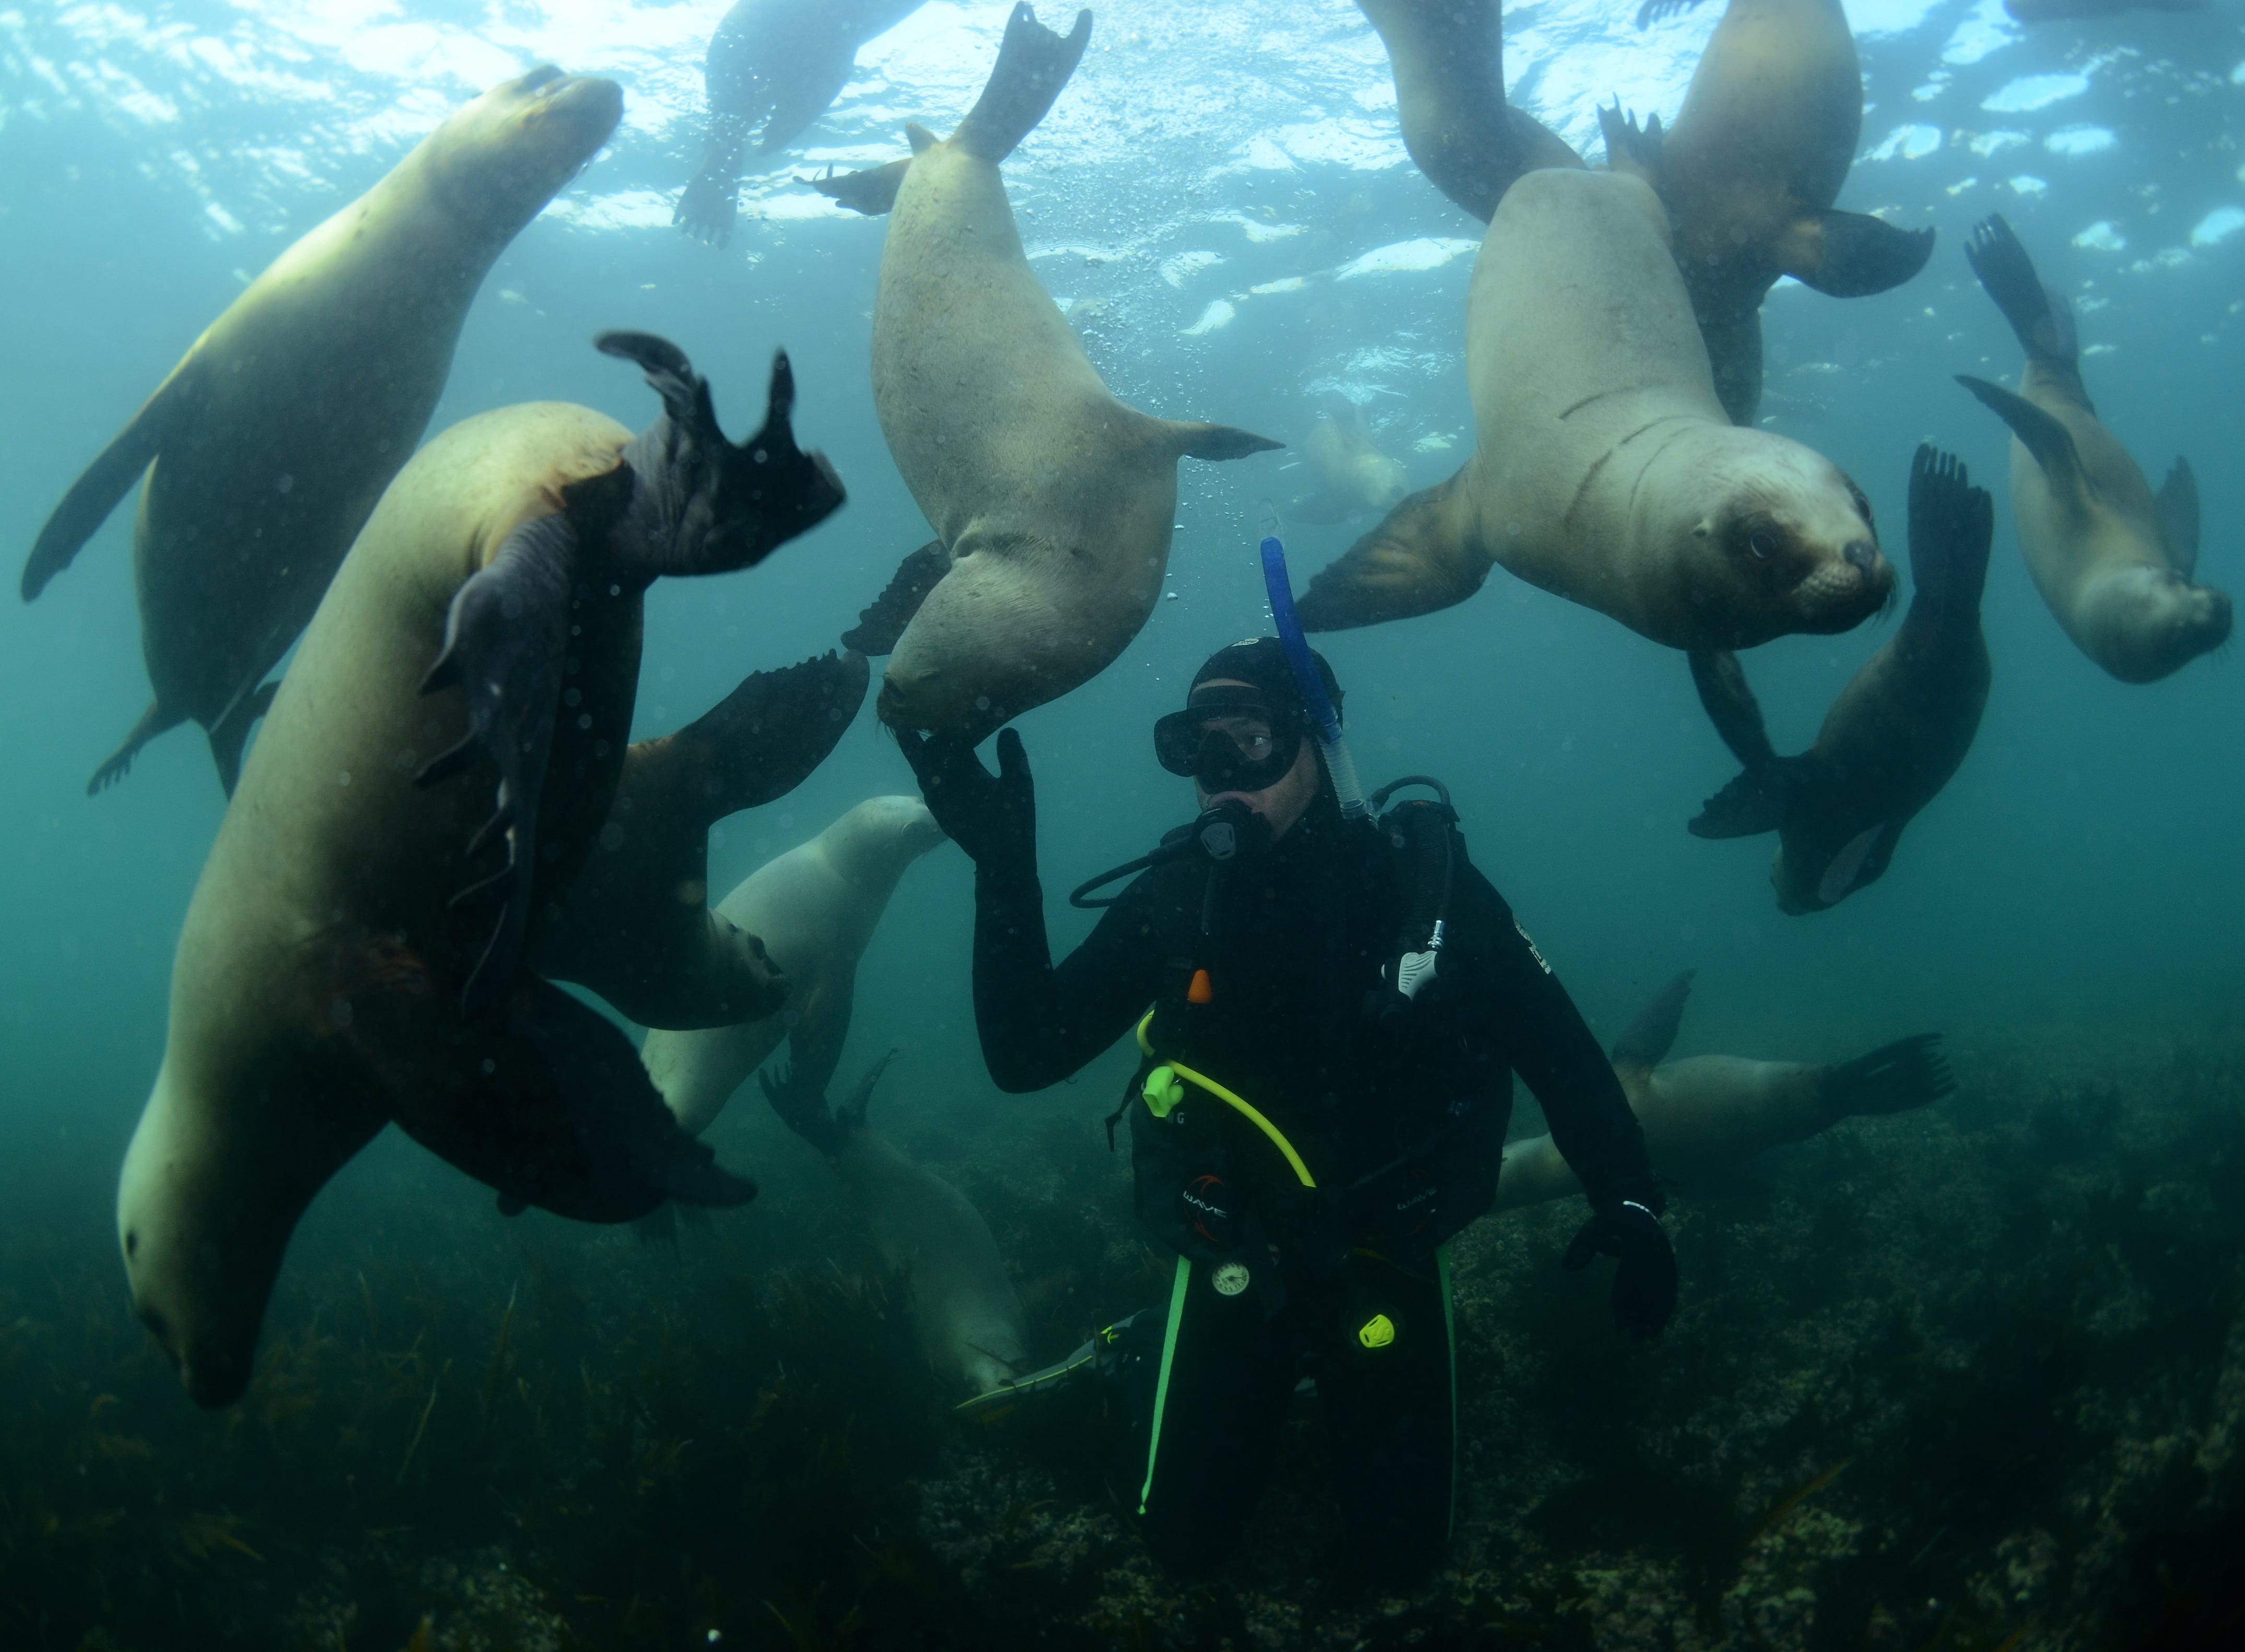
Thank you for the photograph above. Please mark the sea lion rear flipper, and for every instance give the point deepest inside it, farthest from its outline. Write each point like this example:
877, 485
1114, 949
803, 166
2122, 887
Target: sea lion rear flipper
764, 738
1748, 806
1852, 254
2178, 504
710, 202
1216, 442
1729, 701
1951, 526
90, 498
1034, 64
1909, 1072
1630, 148
2009, 276
153, 722
1645, 1044
879, 626
506, 636
1412, 563
2050, 442
231, 733
872, 191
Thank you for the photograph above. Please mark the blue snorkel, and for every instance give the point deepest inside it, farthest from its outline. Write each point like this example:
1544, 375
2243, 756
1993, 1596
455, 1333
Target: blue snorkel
1338, 763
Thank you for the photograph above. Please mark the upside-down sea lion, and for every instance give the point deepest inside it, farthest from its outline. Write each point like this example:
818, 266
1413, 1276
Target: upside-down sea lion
2115, 561
1448, 61
635, 925
780, 63
815, 909
1352, 474
270, 442
1749, 172
1053, 501
1896, 733
1708, 1114
1606, 472
328, 977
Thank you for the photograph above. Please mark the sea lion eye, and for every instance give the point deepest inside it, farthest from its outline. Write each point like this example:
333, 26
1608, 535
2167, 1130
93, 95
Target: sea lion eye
1762, 543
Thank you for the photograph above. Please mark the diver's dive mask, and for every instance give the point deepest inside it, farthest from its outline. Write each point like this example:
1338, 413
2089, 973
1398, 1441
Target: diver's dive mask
1229, 740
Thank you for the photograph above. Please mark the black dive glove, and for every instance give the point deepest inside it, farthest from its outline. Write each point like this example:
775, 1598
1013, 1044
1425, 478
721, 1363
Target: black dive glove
993, 818
1628, 1225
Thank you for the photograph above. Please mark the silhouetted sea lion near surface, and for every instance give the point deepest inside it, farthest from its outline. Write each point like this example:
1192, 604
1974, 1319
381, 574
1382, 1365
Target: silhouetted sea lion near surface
1053, 501
2115, 561
1449, 60
1606, 472
780, 63
328, 977
276, 434
1749, 172
2057, 11
1896, 733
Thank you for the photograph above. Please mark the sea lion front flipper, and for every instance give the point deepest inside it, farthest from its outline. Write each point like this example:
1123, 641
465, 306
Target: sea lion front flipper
1729, 701
799, 1100
872, 191
1415, 563
2178, 505
1647, 1040
879, 626
1909, 1072
1193, 439
764, 738
1851, 254
90, 498
2050, 442
506, 636
153, 722
1755, 801
1032, 64
231, 733
1634, 150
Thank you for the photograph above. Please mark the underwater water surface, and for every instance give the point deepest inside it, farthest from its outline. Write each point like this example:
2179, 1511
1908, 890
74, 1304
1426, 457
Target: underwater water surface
1968, 1376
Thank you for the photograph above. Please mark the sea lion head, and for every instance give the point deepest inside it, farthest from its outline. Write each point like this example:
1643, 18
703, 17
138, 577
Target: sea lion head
1792, 540
500, 160
2148, 623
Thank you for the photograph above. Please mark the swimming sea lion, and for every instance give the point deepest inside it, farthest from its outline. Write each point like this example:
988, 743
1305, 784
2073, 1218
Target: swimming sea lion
635, 926
274, 436
2055, 11
1606, 471
1709, 1113
815, 908
328, 976
1448, 61
1352, 474
2114, 562
1896, 733
968, 1314
777, 62
1054, 501
1749, 172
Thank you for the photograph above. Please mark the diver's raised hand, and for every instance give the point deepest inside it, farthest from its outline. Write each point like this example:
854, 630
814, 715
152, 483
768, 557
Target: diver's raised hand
993, 818
1628, 1225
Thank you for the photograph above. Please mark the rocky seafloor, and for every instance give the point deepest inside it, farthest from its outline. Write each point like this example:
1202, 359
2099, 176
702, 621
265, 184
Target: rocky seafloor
1972, 1377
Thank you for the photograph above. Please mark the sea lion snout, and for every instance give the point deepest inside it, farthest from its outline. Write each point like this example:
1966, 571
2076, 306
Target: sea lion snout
2148, 623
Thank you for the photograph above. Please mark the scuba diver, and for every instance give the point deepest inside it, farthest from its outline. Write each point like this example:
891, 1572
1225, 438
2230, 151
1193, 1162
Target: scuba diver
1340, 1001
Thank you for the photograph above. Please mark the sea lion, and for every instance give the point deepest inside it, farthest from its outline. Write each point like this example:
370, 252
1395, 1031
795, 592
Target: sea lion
1749, 172
1705, 1115
1350, 472
1053, 501
815, 908
635, 926
1448, 61
2057, 10
327, 977
1896, 733
1606, 472
2114, 562
270, 442
777, 62
968, 1314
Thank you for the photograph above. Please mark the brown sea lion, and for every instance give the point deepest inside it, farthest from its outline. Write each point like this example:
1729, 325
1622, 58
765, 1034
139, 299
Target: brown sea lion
1352, 476
270, 442
1749, 172
328, 976
1896, 733
1606, 472
2115, 562
2059, 10
1052, 501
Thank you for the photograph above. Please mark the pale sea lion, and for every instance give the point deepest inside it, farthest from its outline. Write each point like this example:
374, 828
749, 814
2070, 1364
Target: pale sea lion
1898, 731
815, 908
1352, 474
1606, 472
2115, 562
968, 1314
1053, 501
779, 63
1705, 1116
270, 442
1749, 172
1448, 61
635, 926
328, 978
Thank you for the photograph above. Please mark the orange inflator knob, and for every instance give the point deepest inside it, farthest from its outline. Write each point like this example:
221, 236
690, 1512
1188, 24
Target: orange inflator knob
1200, 992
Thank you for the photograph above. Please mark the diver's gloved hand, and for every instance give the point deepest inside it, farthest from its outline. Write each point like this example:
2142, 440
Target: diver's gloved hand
993, 818
1628, 1225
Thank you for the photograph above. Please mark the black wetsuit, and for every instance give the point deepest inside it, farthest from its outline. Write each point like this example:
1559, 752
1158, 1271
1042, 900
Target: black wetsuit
1399, 1121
